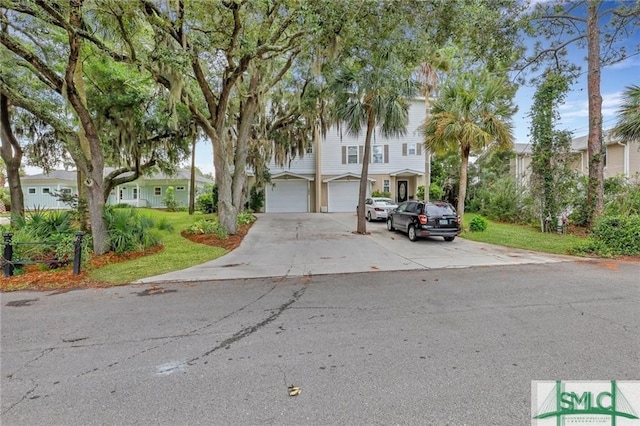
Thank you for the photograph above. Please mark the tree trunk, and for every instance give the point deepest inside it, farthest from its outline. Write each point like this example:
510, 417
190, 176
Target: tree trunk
247, 116
462, 192
227, 212
595, 190
11, 153
91, 157
192, 177
99, 230
364, 176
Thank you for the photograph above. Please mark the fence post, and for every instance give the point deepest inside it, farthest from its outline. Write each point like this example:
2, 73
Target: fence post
77, 253
8, 254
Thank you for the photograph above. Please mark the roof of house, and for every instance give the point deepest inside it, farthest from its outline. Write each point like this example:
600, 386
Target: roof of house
70, 176
577, 144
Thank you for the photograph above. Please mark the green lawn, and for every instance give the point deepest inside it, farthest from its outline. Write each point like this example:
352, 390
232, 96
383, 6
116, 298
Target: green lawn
178, 252
521, 236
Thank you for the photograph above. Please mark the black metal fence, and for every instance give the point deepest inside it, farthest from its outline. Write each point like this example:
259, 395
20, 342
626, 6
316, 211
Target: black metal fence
9, 263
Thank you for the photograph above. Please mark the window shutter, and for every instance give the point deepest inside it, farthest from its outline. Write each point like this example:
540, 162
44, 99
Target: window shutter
360, 153
386, 154
404, 149
419, 149
344, 154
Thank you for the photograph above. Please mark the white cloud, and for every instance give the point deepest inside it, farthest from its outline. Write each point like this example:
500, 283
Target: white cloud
632, 62
577, 109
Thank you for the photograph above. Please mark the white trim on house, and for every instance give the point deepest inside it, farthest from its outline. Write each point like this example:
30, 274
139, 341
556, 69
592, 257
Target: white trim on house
293, 175
347, 175
406, 173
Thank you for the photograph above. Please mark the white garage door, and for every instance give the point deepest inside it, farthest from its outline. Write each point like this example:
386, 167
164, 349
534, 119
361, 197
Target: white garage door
287, 196
343, 196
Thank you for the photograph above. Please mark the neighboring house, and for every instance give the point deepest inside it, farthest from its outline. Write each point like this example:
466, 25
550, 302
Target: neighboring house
621, 159
146, 191
327, 177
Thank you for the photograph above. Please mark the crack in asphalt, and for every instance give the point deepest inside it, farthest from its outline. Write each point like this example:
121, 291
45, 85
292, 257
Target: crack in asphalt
42, 353
173, 338
29, 392
625, 327
247, 331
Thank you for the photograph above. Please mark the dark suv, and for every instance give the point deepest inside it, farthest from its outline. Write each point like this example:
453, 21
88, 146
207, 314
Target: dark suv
421, 219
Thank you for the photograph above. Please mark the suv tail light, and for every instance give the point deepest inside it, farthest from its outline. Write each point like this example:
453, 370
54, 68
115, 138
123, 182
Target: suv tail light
378, 209
423, 219
458, 220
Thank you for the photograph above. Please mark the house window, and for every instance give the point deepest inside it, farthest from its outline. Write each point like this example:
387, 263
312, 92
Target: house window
123, 193
157, 191
180, 188
32, 190
411, 149
309, 150
377, 154
46, 191
66, 190
352, 155
135, 193
386, 185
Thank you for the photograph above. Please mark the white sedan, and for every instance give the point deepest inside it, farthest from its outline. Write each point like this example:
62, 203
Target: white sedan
378, 208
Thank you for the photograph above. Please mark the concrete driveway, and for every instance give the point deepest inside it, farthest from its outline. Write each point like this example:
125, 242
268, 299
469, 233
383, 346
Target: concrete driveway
298, 244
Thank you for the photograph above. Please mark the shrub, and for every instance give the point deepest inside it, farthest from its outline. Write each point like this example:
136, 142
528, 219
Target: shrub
163, 224
435, 192
622, 199
256, 199
246, 217
420, 193
65, 248
206, 226
384, 194
207, 201
617, 235
169, 199
129, 230
478, 224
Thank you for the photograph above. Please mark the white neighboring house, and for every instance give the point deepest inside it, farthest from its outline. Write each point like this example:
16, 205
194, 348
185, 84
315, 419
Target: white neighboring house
146, 191
327, 177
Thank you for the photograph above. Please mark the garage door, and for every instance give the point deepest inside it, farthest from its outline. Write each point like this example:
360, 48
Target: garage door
287, 196
343, 196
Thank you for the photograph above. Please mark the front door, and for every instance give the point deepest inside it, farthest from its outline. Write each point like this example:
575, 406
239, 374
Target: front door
403, 190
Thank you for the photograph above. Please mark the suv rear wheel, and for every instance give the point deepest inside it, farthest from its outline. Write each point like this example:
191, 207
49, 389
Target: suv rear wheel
412, 233
449, 238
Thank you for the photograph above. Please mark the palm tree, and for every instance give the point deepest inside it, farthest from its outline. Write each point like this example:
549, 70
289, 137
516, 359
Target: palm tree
472, 114
628, 126
370, 96
428, 79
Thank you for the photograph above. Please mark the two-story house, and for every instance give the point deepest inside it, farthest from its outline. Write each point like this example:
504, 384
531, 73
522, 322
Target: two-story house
327, 177
621, 159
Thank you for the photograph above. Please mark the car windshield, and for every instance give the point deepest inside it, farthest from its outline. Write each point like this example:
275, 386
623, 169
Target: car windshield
439, 210
385, 201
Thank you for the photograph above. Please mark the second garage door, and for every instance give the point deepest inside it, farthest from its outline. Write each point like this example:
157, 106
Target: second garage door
287, 196
343, 196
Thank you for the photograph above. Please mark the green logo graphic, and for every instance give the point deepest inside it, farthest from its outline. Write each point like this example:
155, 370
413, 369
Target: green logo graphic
586, 403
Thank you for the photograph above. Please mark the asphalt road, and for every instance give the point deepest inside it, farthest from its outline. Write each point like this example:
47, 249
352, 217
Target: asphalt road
449, 346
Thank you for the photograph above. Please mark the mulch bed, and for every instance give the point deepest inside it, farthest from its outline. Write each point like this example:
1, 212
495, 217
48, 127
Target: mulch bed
37, 278
229, 243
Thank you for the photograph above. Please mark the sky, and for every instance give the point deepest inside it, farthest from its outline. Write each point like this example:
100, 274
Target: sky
574, 111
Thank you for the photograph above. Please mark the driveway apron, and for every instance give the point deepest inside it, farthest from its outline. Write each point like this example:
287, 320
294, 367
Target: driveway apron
299, 244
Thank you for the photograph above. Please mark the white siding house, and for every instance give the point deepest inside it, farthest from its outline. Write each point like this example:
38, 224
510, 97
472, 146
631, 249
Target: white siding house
146, 191
327, 177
